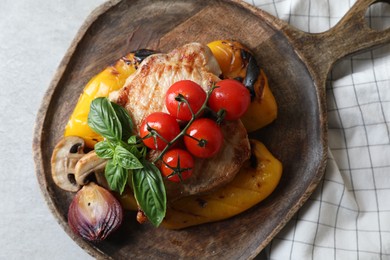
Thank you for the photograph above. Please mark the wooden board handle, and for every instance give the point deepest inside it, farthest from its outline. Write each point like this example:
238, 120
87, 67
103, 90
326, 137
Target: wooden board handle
351, 35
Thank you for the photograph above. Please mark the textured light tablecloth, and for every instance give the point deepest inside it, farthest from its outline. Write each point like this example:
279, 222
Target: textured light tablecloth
348, 217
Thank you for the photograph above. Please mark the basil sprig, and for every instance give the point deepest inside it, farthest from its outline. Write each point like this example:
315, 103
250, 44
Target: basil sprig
126, 158
148, 184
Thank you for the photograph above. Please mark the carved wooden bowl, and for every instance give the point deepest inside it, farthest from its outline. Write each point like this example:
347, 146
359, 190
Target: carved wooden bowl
296, 64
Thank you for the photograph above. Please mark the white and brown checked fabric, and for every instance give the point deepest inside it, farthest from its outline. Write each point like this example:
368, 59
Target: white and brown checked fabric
348, 217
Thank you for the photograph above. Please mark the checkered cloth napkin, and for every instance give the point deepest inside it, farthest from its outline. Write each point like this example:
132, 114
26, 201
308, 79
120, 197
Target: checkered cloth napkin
348, 216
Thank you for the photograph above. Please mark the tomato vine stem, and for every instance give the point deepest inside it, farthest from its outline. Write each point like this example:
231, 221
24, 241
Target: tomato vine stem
194, 116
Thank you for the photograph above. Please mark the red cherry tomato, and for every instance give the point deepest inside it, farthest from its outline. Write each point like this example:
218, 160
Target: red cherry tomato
192, 92
177, 165
232, 96
203, 138
161, 128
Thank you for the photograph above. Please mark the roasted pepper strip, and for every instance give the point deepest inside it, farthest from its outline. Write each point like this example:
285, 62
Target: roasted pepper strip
237, 62
229, 57
252, 184
110, 79
263, 109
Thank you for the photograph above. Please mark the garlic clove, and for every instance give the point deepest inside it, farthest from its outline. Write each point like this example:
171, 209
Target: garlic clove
94, 213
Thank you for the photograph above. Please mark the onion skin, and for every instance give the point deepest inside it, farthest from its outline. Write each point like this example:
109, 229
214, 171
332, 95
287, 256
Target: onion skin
94, 213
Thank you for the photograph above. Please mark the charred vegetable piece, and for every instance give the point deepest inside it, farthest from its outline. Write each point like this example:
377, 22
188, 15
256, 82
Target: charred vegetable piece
237, 62
263, 109
256, 181
110, 79
229, 57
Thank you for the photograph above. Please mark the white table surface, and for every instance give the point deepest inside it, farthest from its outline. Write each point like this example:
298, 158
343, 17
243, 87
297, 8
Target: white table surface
34, 35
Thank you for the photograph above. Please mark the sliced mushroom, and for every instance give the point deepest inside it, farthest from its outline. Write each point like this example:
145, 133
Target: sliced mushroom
91, 167
65, 156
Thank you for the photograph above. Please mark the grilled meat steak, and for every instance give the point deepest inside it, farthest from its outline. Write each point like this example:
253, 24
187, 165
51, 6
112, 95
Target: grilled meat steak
144, 93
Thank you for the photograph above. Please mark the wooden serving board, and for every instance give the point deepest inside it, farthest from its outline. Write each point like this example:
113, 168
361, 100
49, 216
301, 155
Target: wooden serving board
296, 64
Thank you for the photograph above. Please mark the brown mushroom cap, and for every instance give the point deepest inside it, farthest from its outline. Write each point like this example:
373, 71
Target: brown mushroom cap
66, 154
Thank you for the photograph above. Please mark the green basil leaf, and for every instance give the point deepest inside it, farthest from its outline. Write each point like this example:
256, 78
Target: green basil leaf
135, 152
149, 191
103, 120
137, 146
126, 159
133, 140
125, 119
104, 150
116, 176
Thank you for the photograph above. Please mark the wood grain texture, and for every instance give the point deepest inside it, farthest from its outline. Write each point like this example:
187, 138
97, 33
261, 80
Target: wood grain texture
297, 75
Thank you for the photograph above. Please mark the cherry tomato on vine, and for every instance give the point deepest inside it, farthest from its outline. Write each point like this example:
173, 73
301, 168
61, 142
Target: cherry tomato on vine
232, 96
203, 138
177, 165
191, 92
158, 129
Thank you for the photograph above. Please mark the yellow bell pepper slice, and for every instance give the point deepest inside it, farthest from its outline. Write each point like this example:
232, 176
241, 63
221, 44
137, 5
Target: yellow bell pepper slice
248, 188
263, 108
127, 200
228, 56
251, 185
110, 79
